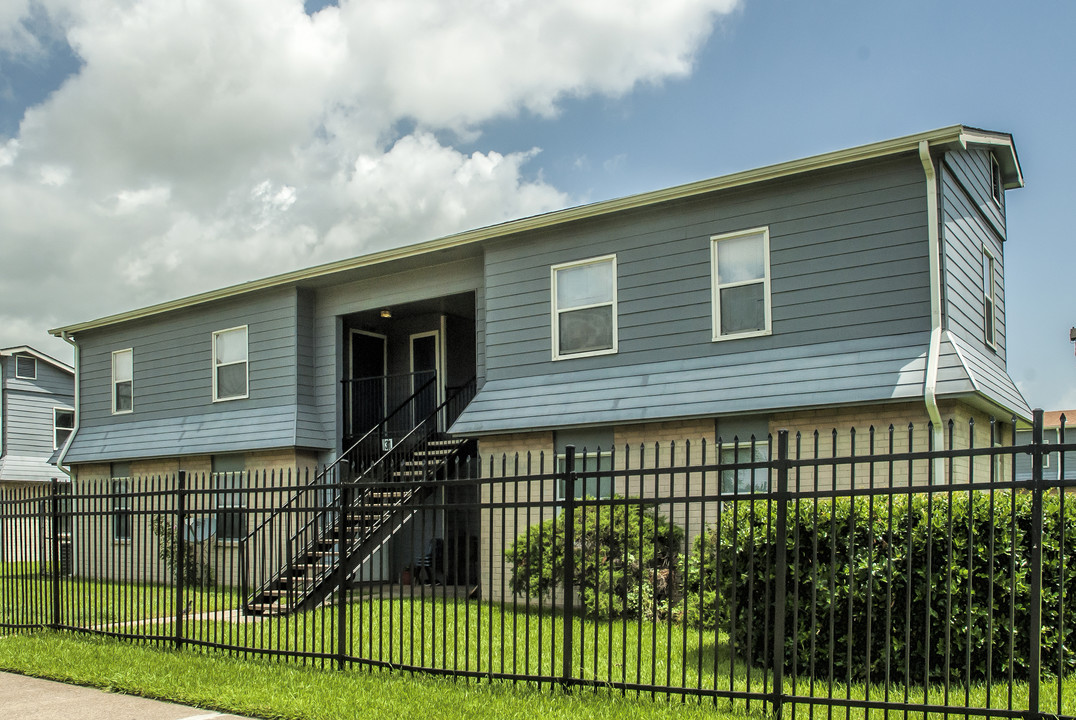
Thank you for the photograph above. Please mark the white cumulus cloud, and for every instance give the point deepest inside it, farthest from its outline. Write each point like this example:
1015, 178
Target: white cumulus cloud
207, 142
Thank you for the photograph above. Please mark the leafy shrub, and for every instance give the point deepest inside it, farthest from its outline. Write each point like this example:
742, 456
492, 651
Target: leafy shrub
627, 560
920, 587
197, 556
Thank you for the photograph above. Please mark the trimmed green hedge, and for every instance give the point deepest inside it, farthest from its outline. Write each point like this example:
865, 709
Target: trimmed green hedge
840, 554
627, 560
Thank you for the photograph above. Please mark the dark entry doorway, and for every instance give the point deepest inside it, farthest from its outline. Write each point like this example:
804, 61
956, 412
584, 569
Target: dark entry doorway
368, 362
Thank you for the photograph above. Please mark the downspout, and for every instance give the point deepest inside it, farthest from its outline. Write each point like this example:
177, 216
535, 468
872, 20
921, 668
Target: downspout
930, 384
78, 410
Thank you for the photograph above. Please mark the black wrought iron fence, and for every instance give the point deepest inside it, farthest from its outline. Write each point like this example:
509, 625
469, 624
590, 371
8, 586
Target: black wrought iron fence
863, 573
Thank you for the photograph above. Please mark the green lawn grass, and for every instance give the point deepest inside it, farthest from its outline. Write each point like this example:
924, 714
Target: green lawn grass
438, 633
270, 689
26, 597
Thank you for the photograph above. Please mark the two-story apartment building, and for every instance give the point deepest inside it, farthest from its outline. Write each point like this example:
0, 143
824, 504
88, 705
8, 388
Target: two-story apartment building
37, 415
863, 286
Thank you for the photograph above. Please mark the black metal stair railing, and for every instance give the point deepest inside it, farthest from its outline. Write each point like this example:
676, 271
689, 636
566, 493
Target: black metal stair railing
292, 557
390, 402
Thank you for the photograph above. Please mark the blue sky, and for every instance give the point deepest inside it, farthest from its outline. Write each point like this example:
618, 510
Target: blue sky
150, 149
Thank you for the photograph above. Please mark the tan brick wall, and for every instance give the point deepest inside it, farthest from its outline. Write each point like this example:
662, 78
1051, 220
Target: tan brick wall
505, 456
835, 438
138, 558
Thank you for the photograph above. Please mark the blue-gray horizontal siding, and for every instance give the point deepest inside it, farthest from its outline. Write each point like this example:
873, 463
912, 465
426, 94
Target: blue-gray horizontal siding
972, 171
1053, 469
845, 372
28, 468
207, 433
988, 379
386, 290
27, 409
965, 232
28, 422
50, 379
173, 374
849, 263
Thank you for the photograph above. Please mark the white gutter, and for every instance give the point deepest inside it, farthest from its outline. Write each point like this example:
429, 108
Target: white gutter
78, 409
930, 383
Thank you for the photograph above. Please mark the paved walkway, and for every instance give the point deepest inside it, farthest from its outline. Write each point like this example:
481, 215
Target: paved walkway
29, 698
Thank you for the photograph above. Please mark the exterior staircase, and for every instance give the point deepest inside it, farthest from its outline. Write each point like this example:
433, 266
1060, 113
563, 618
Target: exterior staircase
343, 519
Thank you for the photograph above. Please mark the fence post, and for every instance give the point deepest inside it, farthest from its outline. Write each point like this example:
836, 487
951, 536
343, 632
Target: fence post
1035, 629
343, 497
54, 550
781, 572
568, 578
181, 554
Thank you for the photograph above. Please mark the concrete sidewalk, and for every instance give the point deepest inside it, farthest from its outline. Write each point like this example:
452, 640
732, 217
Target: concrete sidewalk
29, 698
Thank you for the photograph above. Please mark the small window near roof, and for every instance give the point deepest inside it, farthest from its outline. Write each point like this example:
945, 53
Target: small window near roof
230, 364
63, 422
995, 179
26, 367
584, 308
740, 265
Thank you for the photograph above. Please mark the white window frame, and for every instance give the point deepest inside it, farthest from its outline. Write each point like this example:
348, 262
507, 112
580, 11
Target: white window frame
715, 301
605, 465
996, 188
56, 445
115, 410
555, 310
33, 360
245, 361
990, 300
121, 510
744, 452
230, 497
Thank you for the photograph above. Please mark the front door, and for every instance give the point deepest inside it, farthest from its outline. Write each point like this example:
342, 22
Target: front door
366, 391
425, 365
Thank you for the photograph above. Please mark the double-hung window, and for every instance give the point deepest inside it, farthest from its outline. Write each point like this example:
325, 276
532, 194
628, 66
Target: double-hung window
25, 367
63, 422
229, 480
122, 381
584, 308
121, 501
230, 364
592, 483
745, 480
989, 300
740, 266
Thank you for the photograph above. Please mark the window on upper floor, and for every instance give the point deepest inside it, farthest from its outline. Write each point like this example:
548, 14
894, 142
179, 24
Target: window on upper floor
996, 187
740, 269
584, 308
63, 422
122, 381
989, 300
26, 367
230, 364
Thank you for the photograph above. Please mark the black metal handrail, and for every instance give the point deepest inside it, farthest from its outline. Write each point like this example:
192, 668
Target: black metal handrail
311, 532
378, 392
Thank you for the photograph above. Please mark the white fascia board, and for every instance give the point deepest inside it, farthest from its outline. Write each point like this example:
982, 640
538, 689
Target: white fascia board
1004, 149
